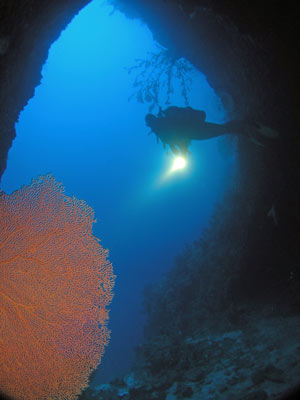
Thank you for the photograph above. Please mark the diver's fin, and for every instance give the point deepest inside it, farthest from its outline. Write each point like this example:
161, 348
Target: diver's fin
267, 131
254, 140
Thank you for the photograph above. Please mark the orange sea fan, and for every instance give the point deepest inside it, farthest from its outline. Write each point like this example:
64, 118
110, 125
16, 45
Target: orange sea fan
55, 286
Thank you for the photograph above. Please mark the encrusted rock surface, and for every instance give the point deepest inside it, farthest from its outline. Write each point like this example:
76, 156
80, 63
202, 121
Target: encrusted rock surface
260, 362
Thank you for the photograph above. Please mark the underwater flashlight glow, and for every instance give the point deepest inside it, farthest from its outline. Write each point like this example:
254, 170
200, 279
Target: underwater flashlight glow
178, 163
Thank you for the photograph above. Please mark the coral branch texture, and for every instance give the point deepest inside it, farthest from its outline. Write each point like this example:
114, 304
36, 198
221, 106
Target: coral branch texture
55, 285
157, 76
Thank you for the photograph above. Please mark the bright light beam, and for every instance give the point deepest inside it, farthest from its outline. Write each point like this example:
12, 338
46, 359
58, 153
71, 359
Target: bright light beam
178, 163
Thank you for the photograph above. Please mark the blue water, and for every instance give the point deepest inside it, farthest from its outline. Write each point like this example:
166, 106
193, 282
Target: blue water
81, 127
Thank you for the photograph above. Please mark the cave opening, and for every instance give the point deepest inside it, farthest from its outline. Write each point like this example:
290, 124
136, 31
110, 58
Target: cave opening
81, 127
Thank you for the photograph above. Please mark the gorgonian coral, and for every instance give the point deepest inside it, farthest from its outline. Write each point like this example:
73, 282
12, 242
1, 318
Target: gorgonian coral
158, 74
55, 286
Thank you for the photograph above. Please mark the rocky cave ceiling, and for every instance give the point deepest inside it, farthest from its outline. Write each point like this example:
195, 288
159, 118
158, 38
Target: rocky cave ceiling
240, 47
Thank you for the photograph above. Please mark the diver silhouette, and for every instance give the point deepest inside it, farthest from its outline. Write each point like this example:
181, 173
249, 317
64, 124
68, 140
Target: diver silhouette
178, 126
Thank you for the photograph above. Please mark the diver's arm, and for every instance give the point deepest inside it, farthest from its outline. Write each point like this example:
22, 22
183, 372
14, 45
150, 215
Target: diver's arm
173, 149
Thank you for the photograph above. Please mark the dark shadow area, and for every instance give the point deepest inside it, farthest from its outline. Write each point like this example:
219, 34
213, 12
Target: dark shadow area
3, 397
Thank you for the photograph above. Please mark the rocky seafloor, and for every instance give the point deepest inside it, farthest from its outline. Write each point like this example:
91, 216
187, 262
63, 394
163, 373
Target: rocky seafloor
258, 362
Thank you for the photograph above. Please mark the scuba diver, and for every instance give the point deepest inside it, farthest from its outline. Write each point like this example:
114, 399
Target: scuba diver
178, 126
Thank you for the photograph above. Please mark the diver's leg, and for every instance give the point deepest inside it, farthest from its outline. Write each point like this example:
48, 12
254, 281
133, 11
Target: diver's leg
206, 130
236, 127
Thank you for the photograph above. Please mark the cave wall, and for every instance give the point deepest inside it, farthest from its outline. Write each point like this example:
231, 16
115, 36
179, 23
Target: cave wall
239, 46
27, 30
